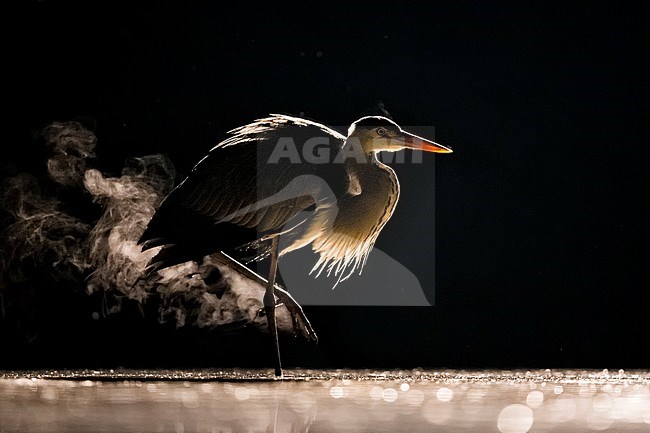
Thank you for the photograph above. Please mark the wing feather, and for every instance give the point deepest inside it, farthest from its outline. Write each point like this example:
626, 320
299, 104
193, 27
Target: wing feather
236, 185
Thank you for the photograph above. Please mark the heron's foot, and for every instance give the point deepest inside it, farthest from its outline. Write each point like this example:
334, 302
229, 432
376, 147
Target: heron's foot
299, 320
301, 323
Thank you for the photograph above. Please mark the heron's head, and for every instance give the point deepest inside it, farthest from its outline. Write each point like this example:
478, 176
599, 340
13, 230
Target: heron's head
380, 134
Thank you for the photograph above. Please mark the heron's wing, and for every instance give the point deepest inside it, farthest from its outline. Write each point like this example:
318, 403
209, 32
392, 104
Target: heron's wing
258, 179
264, 174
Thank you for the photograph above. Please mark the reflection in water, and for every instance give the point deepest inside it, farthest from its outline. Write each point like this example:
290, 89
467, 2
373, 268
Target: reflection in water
320, 401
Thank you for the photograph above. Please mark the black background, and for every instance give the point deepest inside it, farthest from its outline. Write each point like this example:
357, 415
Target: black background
540, 214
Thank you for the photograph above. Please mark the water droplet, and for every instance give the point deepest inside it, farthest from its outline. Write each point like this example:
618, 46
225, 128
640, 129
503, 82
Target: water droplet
515, 418
389, 395
535, 399
242, 393
376, 392
336, 392
445, 394
50, 394
415, 397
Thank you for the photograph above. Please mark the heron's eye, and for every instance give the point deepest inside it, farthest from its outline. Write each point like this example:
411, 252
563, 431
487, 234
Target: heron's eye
382, 132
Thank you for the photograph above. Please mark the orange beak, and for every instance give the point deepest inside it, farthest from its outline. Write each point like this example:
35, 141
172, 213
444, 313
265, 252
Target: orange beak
412, 141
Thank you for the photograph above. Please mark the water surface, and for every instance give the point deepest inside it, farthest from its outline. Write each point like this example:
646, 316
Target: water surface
324, 401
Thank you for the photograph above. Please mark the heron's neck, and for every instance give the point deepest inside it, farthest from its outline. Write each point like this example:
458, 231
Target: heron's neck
372, 175
368, 162
371, 197
357, 149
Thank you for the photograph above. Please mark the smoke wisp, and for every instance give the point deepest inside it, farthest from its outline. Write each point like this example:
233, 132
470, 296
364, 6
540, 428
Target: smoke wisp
41, 240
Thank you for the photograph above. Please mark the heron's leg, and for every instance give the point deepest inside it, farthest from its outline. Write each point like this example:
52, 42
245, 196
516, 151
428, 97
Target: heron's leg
300, 321
269, 304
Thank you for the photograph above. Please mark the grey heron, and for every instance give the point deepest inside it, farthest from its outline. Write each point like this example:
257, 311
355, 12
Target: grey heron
254, 188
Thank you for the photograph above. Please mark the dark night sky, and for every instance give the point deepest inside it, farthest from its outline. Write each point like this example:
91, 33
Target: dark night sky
540, 214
